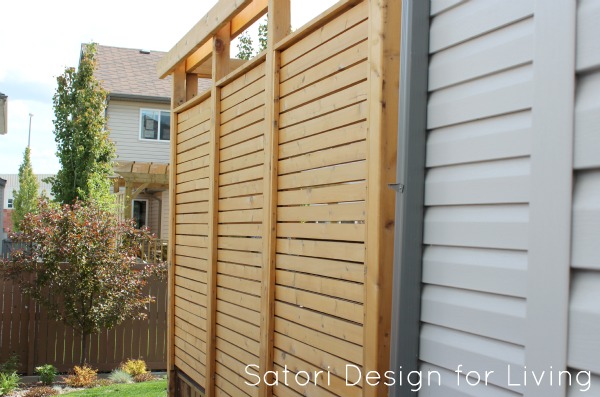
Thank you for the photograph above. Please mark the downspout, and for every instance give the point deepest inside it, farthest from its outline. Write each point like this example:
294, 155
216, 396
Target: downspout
410, 171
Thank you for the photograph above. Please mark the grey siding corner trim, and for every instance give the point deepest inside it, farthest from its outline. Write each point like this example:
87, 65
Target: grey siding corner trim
551, 191
412, 133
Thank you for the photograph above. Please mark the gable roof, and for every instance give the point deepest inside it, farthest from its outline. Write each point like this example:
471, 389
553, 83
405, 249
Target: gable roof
131, 73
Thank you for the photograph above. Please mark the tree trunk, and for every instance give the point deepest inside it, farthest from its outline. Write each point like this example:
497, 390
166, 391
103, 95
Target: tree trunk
84, 348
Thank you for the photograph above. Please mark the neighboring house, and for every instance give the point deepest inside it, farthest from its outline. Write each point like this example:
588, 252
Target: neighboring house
138, 111
2, 185
12, 184
3, 114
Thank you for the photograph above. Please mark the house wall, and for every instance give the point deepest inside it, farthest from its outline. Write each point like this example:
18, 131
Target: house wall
124, 125
12, 184
584, 314
511, 268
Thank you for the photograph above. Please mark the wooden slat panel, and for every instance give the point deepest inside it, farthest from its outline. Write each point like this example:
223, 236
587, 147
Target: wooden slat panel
326, 286
330, 30
333, 174
333, 65
239, 163
322, 231
322, 267
249, 132
348, 39
344, 349
329, 213
322, 195
243, 81
346, 97
308, 300
248, 301
254, 215
323, 249
241, 203
239, 312
246, 119
345, 135
242, 149
249, 91
340, 118
338, 81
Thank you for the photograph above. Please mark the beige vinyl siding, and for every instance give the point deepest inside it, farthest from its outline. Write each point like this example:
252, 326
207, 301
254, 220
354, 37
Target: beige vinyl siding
584, 320
12, 183
477, 192
124, 125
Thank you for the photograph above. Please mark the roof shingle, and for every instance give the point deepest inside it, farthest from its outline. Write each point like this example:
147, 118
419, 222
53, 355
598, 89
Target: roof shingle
129, 71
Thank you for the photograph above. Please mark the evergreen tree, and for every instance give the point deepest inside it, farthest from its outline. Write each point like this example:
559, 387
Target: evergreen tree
84, 150
26, 199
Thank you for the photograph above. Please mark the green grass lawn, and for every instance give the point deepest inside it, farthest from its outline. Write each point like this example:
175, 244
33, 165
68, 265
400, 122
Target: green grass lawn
145, 389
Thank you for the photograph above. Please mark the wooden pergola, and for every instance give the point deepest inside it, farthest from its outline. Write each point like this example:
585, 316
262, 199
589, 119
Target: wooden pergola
137, 176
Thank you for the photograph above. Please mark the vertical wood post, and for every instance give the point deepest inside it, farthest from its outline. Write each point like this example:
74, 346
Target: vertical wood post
278, 28
383, 83
128, 198
220, 67
178, 97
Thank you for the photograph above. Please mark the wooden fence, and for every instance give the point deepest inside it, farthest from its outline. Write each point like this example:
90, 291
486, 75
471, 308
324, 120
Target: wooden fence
26, 330
281, 217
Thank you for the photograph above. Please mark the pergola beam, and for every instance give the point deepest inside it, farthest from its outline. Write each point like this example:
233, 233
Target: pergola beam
208, 26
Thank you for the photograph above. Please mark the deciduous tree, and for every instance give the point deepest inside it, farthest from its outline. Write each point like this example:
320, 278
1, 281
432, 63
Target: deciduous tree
81, 266
84, 150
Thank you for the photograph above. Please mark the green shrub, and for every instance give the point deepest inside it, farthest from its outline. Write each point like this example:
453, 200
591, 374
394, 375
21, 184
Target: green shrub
11, 365
83, 376
8, 383
120, 376
47, 373
134, 367
41, 391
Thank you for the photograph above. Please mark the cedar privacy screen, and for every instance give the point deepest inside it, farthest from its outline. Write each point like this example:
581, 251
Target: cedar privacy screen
281, 219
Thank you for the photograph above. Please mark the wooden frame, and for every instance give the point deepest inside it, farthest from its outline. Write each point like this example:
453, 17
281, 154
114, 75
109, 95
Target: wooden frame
353, 70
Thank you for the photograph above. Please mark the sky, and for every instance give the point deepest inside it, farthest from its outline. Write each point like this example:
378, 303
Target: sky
40, 38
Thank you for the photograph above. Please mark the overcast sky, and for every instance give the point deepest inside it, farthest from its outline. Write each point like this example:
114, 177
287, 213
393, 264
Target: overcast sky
39, 38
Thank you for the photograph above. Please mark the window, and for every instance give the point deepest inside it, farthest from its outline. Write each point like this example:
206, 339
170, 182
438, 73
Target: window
10, 203
139, 211
155, 125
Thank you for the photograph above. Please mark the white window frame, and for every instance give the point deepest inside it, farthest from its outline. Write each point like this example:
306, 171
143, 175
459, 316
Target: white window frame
142, 139
147, 209
10, 204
